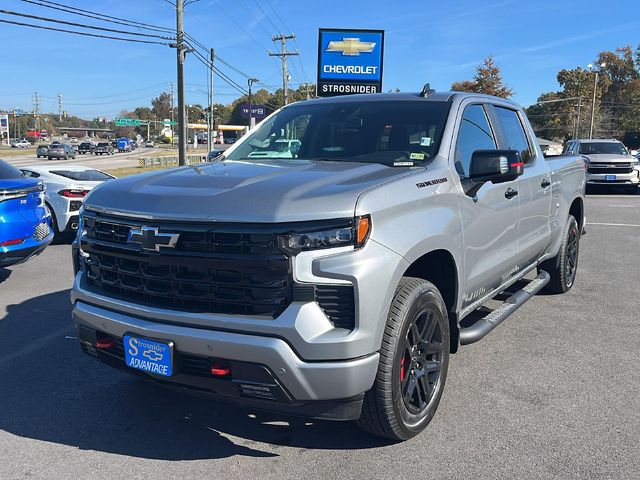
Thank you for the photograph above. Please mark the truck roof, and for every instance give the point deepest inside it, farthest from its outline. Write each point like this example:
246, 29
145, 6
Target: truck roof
402, 96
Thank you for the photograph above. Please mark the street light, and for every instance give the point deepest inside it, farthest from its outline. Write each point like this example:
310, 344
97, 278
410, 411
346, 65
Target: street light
593, 103
251, 81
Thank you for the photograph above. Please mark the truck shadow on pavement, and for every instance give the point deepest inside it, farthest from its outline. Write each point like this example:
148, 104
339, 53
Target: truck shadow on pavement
53, 392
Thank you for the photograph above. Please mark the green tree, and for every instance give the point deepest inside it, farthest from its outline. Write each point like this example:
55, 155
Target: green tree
161, 106
487, 80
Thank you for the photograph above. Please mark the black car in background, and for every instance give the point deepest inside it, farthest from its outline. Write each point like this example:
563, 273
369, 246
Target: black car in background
85, 147
103, 148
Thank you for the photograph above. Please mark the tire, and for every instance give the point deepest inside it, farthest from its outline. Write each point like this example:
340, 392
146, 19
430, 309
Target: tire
49, 158
563, 267
400, 404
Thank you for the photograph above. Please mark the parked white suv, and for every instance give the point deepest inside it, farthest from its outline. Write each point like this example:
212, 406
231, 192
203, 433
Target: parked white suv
608, 162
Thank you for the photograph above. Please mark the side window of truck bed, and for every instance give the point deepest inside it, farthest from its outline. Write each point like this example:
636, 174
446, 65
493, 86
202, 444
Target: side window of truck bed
514, 134
474, 134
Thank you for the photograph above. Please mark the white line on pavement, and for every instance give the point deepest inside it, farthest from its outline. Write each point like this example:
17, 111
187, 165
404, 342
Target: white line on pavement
615, 224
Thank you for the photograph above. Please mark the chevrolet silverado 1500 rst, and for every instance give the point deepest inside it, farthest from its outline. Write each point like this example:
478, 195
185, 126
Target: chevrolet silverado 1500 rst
333, 279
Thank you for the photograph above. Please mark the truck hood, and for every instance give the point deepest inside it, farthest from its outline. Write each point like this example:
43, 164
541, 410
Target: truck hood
239, 191
610, 158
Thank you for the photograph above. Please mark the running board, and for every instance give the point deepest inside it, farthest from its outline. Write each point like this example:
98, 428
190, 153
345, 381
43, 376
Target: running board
483, 326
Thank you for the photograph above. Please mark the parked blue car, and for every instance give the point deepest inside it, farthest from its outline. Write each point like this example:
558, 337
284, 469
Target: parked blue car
25, 221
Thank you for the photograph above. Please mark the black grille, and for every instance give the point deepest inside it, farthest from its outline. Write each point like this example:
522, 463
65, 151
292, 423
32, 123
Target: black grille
227, 239
245, 286
611, 168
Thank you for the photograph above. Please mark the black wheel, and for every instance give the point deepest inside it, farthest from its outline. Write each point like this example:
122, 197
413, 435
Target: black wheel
414, 359
564, 266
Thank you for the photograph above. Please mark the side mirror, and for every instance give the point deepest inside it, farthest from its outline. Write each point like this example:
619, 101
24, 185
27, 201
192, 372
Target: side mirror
495, 166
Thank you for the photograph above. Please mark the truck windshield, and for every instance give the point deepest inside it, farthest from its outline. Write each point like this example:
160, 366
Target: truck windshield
400, 133
603, 148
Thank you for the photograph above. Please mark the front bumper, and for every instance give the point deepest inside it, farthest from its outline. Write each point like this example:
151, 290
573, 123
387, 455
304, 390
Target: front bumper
9, 257
627, 179
283, 382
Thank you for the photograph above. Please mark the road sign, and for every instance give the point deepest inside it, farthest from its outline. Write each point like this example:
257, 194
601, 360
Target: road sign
127, 122
169, 122
258, 111
349, 61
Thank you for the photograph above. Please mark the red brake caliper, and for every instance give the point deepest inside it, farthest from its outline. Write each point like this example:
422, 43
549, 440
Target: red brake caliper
402, 369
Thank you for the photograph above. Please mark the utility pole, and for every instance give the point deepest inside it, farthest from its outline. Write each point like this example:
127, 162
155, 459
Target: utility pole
283, 55
250, 82
593, 103
210, 119
180, 54
36, 109
172, 119
59, 107
578, 118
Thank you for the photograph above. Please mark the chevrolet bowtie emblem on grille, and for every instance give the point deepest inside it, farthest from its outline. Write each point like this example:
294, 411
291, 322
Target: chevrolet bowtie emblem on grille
351, 47
150, 239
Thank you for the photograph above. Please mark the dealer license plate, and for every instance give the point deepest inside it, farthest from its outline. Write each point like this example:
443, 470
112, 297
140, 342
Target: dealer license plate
148, 355
610, 178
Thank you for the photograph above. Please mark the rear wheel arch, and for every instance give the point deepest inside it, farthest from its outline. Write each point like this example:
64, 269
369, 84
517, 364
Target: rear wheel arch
439, 267
577, 211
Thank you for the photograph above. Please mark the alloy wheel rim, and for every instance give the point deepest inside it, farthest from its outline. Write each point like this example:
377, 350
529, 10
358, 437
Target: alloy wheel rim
421, 362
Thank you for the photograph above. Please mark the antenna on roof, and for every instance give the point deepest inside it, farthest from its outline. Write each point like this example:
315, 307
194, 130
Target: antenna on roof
427, 90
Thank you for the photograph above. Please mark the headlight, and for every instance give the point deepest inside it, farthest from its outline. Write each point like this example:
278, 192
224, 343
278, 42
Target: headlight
635, 162
355, 234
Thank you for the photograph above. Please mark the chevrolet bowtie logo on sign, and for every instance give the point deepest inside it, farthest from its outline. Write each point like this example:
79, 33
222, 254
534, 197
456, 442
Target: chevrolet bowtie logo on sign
351, 46
150, 239
349, 61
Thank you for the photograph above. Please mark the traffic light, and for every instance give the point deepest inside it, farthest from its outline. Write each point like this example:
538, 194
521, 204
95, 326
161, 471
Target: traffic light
64, 114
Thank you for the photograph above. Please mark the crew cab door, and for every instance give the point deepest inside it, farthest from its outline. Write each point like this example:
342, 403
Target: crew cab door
533, 186
489, 215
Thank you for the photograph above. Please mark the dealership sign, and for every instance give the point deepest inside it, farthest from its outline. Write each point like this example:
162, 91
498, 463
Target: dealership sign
349, 61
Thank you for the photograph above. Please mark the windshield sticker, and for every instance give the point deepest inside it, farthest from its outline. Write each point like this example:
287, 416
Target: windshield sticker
403, 164
431, 182
425, 141
416, 156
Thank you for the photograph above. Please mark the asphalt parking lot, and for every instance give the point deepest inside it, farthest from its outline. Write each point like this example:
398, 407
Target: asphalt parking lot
553, 393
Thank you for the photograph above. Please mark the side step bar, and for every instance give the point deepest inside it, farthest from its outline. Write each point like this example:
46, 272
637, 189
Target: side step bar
483, 326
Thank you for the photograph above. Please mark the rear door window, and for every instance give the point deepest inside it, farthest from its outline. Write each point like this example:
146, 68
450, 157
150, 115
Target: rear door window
513, 133
83, 175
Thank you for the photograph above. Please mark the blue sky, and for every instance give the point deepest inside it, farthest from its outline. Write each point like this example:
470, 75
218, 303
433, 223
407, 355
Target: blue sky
436, 42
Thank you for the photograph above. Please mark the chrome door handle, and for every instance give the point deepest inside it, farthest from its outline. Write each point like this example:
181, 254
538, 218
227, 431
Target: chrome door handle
545, 183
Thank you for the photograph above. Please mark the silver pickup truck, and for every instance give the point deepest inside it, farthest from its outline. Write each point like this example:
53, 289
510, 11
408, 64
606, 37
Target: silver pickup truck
331, 278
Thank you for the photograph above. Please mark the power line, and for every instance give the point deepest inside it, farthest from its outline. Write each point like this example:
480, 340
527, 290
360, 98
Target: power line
95, 35
73, 24
195, 43
287, 29
95, 15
